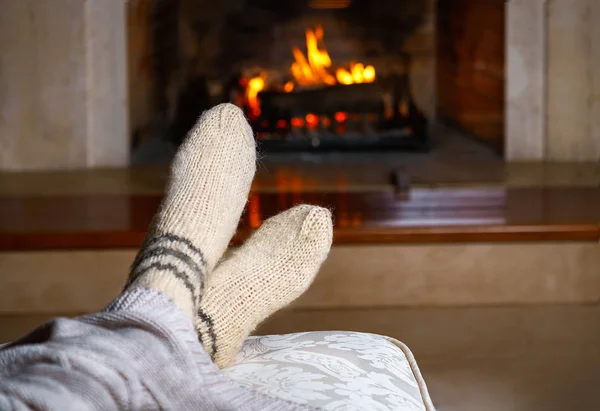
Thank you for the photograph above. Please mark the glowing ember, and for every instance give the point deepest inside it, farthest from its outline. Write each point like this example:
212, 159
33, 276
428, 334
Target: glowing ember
297, 122
312, 121
340, 116
288, 87
403, 108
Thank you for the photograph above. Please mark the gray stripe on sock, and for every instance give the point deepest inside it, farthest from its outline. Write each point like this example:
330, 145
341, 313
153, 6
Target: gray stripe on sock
174, 270
195, 280
173, 238
161, 251
209, 323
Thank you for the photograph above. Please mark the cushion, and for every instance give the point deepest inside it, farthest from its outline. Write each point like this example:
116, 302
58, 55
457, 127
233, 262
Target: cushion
333, 370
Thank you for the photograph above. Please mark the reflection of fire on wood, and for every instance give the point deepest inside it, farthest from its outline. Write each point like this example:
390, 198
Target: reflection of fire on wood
309, 70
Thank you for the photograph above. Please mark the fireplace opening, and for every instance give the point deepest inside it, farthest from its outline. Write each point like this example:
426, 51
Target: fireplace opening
322, 105
320, 75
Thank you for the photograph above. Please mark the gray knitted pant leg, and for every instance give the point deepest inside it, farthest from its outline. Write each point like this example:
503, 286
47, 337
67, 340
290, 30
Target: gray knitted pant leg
140, 353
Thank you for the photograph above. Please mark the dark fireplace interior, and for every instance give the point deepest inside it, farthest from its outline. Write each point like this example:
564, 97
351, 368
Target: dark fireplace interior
307, 90
317, 75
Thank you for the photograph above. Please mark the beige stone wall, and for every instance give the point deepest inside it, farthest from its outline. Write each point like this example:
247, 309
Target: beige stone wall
63, 98
365, 276
553, 80
573, 113
525, 84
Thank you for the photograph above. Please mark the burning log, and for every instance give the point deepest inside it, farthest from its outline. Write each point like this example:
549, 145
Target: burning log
354, 98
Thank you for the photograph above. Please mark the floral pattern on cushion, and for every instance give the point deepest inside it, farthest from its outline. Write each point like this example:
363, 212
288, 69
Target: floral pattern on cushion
333, 371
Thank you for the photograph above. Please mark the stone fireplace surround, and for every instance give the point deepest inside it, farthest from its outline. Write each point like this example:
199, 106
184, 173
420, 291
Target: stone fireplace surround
553, 80
66, 104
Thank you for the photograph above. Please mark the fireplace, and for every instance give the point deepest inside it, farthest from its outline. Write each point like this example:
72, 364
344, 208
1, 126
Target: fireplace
316, 104
311, 75
377, 115
321, 75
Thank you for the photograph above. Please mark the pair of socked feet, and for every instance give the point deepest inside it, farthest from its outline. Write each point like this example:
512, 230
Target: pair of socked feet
181, 256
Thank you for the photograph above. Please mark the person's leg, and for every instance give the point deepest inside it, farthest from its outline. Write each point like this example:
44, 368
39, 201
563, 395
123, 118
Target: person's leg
206, 194
142, 352
139, 351
134, 355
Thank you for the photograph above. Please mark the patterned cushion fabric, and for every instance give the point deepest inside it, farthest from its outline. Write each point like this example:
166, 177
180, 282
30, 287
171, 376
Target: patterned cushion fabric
333, 370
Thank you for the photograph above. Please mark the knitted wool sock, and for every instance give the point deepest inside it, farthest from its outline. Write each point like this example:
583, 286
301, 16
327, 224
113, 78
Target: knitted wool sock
208, 189
273, 268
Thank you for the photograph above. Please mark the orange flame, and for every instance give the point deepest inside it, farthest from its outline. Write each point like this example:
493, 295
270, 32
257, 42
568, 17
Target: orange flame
255, 86
369, 74
288, 87
313, 68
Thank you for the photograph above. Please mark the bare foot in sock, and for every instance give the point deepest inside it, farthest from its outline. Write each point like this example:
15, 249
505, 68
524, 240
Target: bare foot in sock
208, 189
273, 268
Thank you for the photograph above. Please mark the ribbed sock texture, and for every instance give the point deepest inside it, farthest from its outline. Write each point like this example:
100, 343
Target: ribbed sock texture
206, 194
273, 268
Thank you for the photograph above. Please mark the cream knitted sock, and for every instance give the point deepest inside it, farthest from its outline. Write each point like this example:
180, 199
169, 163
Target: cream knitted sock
273, 268
208, 189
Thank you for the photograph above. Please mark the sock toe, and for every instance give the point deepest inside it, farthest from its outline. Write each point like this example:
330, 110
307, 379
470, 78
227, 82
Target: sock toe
273, 268
211, 177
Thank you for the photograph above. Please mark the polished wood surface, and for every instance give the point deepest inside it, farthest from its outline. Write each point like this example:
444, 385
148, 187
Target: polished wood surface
470, 60
416, 216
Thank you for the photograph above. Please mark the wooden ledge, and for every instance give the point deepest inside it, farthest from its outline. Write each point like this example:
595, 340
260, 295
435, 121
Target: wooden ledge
419, 216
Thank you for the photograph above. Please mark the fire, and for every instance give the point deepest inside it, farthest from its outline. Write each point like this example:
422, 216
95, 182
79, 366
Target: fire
343, 76
369, 74
255, 86
314, 67
288, 87
312, 121
340, 116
